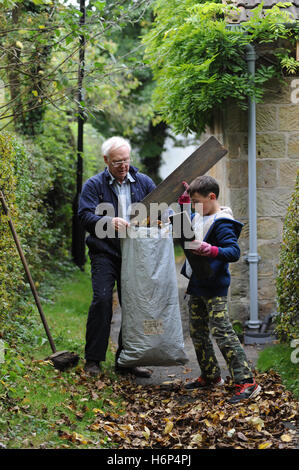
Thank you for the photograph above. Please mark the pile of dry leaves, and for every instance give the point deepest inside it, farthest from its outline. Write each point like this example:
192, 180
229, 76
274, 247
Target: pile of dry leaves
167, 416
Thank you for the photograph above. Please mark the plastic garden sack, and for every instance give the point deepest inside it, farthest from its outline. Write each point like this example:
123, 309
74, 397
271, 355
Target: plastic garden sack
151, 321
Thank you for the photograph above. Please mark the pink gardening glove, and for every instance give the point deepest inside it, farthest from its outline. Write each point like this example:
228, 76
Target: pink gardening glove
184, 198
203, 249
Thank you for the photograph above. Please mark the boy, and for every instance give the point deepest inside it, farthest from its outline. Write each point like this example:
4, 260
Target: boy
208, 297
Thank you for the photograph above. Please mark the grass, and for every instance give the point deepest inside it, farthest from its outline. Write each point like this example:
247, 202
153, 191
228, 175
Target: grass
278, 357
68, 313
178, 253
39, 406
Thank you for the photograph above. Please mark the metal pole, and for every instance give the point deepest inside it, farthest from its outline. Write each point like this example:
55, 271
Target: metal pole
253, 257
78, 242
80, 98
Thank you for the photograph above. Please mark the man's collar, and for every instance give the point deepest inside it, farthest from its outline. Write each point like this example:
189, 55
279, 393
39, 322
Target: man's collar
128, 177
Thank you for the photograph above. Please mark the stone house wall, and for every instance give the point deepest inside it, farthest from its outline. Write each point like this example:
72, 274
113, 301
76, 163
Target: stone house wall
277, 162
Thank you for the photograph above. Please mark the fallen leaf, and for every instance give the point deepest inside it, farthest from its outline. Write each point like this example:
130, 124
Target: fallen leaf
265, 445
146, 433
99, 384
168, 427
79, 438
242, 437
197, 439
98, 411
94, 395
95, 427
256, 421
286, 438
207, 423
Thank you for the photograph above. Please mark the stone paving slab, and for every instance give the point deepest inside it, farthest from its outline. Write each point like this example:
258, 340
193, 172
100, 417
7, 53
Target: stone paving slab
191, 369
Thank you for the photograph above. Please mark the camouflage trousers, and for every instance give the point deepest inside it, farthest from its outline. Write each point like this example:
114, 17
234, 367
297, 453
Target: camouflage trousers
210, 315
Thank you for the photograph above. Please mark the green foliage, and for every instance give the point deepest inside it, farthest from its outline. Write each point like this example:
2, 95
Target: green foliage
279, 358
199, 62
27, 35
10, 273
25, 180
126, 98
93, 161
38, 183
40, 46
38, 403
56, 146
290, 64
287, 283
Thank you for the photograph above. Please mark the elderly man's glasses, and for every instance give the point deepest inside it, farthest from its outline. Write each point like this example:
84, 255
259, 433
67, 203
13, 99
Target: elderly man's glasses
121, 162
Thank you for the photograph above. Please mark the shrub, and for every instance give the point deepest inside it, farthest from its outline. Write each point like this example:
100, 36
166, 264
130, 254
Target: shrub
56, 146
287, 280
199, 64
25, 181
38, 180
10, 272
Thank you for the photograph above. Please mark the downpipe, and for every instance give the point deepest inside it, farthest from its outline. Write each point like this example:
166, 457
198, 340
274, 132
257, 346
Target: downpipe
253, 334
252, 257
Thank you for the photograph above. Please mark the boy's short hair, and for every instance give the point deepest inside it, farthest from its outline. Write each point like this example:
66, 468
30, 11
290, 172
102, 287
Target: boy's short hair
204, 185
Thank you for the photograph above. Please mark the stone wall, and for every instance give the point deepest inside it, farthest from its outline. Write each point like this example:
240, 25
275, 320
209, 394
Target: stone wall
277, 162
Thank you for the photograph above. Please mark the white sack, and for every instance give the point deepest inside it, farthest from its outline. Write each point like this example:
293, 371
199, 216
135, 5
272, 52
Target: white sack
151, 321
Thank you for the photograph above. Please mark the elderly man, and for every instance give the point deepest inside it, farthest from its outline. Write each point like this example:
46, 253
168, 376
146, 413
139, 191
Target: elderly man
119, 185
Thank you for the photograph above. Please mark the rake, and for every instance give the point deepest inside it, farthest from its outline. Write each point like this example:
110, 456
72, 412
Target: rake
61, 360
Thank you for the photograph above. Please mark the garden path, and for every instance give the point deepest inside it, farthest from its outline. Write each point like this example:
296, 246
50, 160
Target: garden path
191, 369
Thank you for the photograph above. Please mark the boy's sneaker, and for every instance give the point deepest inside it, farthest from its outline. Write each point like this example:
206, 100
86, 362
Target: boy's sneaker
246, 389
204, 383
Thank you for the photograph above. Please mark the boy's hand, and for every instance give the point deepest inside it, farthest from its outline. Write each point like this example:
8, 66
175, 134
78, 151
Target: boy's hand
203, 249
184, 198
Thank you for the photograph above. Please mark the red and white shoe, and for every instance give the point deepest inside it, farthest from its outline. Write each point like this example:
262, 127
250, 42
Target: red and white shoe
245, 390
204, 383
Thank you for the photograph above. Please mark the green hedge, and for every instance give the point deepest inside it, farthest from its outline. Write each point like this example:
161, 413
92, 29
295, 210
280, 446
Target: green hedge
57, 147
287, 322
10, 273
38, 180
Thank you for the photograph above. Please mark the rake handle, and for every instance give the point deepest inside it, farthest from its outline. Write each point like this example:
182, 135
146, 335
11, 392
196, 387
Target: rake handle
26, 267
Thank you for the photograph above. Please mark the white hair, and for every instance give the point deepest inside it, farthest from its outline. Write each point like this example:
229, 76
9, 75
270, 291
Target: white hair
114, 143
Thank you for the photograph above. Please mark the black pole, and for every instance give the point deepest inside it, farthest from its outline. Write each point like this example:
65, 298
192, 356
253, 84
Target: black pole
78, 242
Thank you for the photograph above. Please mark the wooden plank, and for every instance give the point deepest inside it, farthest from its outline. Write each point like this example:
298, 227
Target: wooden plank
197, 164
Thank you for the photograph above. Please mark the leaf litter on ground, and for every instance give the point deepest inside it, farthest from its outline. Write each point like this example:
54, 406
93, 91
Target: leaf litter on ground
167, 416
122, 414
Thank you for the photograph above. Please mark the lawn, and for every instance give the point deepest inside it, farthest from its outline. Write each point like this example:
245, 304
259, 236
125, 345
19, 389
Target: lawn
279, 358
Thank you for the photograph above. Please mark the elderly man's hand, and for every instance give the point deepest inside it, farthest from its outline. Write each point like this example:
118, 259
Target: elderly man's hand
119, 224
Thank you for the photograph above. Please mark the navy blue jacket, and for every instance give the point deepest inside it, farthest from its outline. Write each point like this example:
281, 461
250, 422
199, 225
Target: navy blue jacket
224, 234
97, 190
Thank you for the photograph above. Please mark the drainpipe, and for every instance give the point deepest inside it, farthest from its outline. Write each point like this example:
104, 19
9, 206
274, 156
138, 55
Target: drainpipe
252, 257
